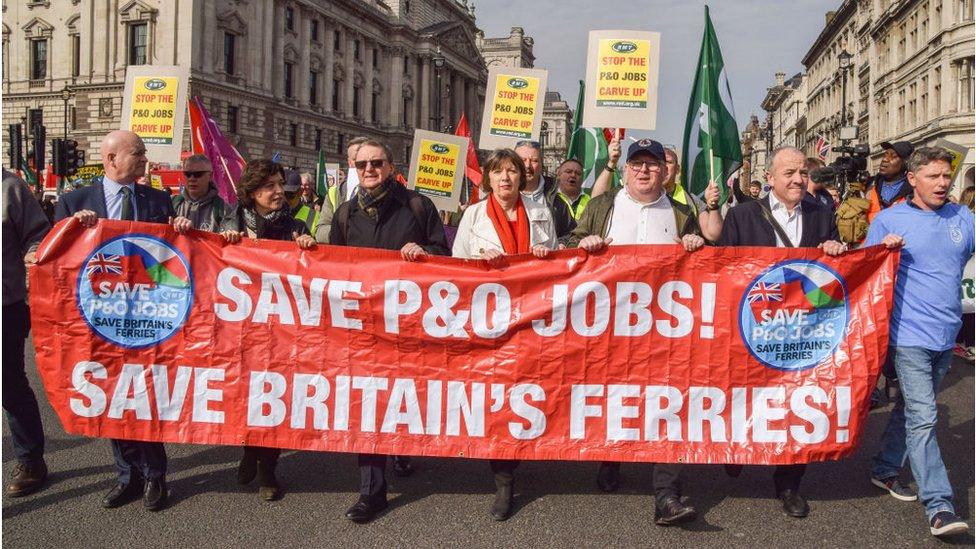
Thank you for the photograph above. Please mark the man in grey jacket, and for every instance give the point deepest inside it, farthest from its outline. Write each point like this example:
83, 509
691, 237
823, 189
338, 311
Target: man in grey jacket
24, 225
199, 201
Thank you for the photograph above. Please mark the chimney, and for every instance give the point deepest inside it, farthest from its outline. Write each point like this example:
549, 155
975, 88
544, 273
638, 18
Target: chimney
780, 78
829, 17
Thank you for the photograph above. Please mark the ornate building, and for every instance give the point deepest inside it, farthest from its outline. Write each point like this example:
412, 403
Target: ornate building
513, 51
286, 76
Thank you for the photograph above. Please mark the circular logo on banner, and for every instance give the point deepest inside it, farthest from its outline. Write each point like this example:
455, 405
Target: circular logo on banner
135, 290
794, 315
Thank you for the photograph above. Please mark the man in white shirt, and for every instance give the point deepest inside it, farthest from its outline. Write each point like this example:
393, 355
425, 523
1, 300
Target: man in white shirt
642, 213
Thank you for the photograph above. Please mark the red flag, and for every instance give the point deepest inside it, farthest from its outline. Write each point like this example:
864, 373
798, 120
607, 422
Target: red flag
228, 164
608, 133
471, 169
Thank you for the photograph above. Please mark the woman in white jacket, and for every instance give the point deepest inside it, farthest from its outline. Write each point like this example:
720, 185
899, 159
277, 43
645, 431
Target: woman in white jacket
504, 223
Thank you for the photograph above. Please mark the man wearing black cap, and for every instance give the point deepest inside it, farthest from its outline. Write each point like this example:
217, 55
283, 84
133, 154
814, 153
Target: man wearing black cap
293, 194
642, 213
891, 184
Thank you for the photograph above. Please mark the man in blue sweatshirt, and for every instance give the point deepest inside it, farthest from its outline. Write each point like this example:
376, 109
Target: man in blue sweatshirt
937, 239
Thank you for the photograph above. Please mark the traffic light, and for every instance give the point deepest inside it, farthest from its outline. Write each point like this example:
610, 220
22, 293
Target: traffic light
16, 143
57, 157
38, 143
67, 158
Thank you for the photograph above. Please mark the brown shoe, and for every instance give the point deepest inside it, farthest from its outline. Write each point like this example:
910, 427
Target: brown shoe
29, 476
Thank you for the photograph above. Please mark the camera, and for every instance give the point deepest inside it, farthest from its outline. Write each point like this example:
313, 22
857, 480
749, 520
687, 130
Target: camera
850, 167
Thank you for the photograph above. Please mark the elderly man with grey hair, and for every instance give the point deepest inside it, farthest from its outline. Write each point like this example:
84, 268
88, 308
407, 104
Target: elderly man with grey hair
199, 201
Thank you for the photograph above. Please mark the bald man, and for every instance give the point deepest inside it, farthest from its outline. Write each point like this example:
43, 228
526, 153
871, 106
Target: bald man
141, 465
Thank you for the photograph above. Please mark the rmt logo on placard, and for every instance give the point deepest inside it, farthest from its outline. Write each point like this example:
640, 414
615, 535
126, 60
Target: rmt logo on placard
517, 83
624, 47
155, 84
439, 148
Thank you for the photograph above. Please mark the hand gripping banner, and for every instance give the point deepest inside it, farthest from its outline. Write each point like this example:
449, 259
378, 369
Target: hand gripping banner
638, 353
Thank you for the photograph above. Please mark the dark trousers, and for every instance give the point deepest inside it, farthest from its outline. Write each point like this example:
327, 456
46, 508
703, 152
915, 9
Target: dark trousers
19, 402
666, 479
140, 460
788, 477
267, 458
504, 469
372, 475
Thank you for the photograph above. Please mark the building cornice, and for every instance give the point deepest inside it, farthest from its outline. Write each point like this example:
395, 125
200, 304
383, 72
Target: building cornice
844, 13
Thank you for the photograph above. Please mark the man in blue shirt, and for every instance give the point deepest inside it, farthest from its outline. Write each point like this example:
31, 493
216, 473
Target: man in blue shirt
937, 239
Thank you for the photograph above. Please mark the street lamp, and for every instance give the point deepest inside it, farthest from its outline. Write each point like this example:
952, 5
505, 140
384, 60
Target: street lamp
66, 95
844, 59
438, 65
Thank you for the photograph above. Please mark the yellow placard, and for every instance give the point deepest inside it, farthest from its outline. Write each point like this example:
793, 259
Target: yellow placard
622, 79
156, 181
154, 109
436, 168
514, 106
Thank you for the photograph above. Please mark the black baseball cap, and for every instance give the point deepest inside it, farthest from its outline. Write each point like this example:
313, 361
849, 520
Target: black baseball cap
650, 146
293, 181
903, 149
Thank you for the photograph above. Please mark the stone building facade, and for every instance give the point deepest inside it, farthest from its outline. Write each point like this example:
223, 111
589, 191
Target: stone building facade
285, 76
515, 50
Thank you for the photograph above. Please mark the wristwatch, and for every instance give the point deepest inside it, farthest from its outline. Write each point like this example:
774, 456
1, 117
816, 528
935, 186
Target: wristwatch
610, 168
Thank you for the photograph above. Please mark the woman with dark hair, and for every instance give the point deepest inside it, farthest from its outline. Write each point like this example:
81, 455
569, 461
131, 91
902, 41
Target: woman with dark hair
504, 223
263, 212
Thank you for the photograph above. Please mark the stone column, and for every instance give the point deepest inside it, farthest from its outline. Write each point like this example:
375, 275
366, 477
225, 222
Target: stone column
425, 86
302, 79
278, 56
329, 72
395, 92
350, 74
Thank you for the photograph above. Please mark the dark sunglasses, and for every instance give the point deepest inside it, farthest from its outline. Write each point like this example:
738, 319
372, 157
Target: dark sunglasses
375, 164
195, 174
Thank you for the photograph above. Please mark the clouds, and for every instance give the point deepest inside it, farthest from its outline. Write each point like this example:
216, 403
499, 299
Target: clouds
758, 39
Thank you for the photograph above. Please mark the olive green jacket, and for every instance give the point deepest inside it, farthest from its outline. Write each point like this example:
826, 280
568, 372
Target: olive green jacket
596, 218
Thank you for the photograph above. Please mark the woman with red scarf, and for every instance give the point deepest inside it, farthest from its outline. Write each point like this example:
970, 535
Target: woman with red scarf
504, 223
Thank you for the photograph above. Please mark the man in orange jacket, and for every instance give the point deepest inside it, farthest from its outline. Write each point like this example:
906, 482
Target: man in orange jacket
891, 184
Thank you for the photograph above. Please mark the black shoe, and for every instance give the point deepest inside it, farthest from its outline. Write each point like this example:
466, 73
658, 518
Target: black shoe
608, 477
366, 509
794, 504
945, 523
29, 476
673, 512
247, 469
268, 490
501, 508
402, 466
122, 494
733, 470
155, 495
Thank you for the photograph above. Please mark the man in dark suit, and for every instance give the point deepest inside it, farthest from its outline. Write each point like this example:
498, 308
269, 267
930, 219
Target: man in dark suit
798, 223
141, 465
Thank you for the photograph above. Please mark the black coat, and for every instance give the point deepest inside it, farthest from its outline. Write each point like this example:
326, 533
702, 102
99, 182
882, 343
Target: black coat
152, 205
745, 226
396, 225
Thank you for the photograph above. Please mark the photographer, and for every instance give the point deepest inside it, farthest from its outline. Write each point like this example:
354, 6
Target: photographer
891, 184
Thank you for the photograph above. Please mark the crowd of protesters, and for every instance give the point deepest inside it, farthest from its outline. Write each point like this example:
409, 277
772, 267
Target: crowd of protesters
522, 211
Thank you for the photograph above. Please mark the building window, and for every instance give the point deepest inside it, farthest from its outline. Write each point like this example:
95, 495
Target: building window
289, 18
232, 116
313, 88
964, 69
406, 112
356, 50
406, 6
229, 42
341, 144
38, 59
376, 58
75, 54
289, 89
35, 117
406, 65
336, 92
965, 12
356, 107
318, 139
293, 134
337, 41
375, 107
313, 29
138, 40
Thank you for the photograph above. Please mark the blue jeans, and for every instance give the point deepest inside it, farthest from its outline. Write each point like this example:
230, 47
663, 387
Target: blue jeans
910, 433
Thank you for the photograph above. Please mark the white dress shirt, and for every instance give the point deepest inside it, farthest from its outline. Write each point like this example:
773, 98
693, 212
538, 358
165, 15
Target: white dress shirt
634, 223
792, 224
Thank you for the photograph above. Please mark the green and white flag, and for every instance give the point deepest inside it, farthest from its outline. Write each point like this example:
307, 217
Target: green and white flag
589, 146
321, 177
711, 150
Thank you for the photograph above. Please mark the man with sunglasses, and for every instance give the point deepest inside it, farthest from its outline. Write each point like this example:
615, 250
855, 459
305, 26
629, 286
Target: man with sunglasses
642, 212
543, 189
386, 215
198, 200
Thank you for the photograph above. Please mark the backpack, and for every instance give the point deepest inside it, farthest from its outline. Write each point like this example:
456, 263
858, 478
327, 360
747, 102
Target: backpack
852, 219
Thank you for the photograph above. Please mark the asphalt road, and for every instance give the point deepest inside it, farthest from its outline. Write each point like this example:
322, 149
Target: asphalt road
445, 503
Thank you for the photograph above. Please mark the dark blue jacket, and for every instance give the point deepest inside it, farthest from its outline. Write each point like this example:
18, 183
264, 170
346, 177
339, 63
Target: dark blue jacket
152, 205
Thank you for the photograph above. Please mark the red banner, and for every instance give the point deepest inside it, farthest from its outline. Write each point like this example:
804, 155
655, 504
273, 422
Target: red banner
638, 353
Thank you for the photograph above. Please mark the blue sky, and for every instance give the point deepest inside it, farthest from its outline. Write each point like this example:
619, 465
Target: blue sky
758, 39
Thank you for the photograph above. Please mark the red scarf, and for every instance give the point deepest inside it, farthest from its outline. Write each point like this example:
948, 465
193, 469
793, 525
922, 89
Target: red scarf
513, 235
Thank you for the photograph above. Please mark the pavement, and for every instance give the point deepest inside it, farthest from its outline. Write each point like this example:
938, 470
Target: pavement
445, 503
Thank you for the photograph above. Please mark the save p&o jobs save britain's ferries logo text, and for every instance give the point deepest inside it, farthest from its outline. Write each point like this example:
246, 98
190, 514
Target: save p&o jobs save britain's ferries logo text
794, 315
135, 290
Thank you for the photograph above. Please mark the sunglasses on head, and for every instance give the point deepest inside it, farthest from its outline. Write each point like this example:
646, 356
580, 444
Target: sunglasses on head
533, 144
375, 164
195, 174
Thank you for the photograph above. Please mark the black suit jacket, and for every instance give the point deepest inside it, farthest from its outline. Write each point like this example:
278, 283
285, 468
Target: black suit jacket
152, 205
745, 226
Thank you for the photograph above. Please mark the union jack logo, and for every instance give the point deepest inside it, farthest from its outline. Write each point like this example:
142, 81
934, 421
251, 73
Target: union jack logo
765, 292
823, 147
104, 263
